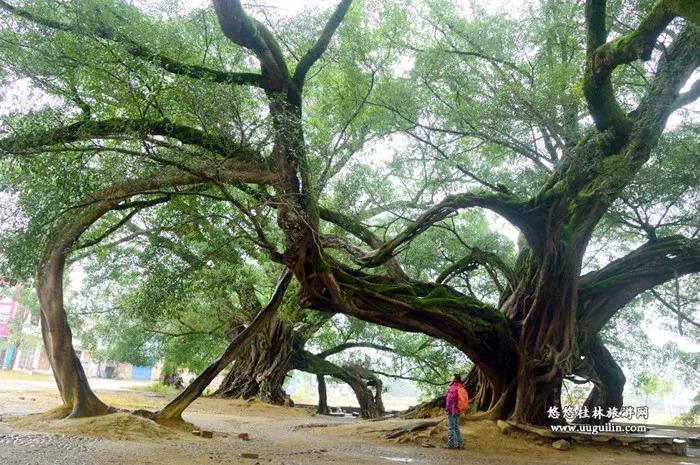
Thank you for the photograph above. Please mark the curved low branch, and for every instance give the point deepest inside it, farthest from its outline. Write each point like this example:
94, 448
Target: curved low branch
357, 377
602, 293
116, 128
504, 204
480, 331
352, 345
68, 372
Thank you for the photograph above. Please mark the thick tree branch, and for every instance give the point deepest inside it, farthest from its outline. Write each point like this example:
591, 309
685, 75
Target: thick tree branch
140, 51
321, 44
477, 257
604, 57
479, 330
88, 130
602, 293
504, 204
253, 35
353, 345
677, 64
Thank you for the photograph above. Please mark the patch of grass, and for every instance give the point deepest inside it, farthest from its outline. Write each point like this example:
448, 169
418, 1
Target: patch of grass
157, 388
131, 400
11, 375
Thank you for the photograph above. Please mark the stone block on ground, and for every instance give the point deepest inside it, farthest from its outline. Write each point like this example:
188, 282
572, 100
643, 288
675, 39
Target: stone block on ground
561, 444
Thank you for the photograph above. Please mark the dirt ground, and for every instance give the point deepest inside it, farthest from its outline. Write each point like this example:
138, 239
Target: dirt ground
278, 436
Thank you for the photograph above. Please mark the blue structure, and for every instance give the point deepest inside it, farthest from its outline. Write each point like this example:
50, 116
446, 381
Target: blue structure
142, 373
8, 357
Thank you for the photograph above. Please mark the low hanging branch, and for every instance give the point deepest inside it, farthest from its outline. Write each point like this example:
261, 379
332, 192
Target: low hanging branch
173, 411
117, 128
505, 205
358, 378
602, 293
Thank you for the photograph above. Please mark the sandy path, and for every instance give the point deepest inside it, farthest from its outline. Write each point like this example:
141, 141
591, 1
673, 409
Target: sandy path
281, 437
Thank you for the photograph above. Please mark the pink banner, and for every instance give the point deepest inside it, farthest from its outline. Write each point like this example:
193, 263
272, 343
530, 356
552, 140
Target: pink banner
7, 311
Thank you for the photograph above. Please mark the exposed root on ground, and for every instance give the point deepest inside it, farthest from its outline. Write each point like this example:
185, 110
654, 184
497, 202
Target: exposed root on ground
410, 432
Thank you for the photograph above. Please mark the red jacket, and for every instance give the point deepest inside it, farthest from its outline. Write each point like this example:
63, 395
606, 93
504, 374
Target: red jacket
451, 398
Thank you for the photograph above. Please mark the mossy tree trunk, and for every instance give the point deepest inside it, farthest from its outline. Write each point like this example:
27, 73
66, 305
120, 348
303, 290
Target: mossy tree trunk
78, 399
322, 408
259, 371
361, 381
173, 410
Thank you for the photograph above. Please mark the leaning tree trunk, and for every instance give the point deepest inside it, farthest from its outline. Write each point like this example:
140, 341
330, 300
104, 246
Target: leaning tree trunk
608, 382
78, 399
259, 371
174, 409
322, 396
371, 405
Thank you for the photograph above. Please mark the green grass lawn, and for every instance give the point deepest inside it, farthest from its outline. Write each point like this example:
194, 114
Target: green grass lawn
157, 388
12, 375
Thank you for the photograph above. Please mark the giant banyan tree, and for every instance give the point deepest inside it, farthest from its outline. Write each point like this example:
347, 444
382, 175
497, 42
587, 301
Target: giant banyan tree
260, 113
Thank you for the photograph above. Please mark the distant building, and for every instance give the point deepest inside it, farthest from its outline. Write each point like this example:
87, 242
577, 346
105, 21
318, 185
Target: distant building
22, 346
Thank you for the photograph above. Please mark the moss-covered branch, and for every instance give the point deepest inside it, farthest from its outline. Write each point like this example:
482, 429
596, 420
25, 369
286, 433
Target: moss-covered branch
119, 128
139, 50
602, 293
247, 32
505, 205
604, 57
482, 332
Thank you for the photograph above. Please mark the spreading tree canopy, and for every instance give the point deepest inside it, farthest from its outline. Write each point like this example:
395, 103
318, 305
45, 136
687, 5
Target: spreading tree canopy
345, 141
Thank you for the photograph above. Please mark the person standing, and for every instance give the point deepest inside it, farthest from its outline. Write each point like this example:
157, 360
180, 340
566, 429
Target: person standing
456, 403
